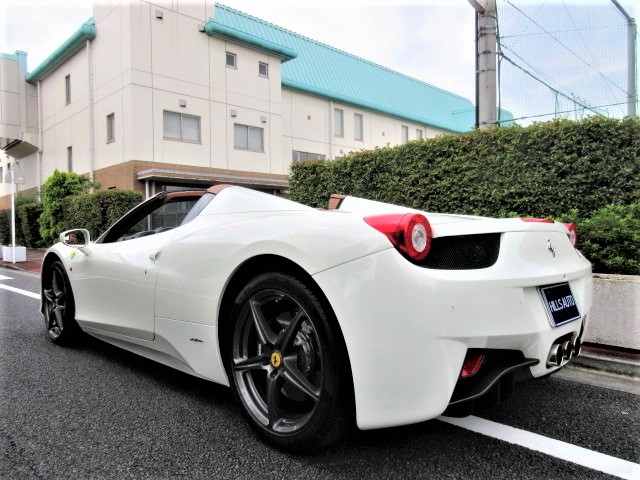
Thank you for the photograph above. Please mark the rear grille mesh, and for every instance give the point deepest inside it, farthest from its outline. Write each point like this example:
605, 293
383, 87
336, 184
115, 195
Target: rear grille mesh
463, 252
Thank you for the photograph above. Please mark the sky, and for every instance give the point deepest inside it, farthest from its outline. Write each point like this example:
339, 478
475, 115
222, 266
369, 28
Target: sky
431, 40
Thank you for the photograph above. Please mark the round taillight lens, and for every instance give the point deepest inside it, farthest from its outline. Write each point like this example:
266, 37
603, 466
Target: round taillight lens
410, 233
416, 236
573, 234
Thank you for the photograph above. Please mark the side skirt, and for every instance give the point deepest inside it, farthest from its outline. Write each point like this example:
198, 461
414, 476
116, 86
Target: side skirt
189, 347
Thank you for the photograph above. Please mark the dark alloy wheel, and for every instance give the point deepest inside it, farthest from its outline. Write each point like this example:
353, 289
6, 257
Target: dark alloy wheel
58, 305
285, 364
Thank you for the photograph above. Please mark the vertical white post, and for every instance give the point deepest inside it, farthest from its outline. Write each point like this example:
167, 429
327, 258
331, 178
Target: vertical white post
92, 148
39, 142
632, 93
487, 64
332, 137
13, 216
631, 68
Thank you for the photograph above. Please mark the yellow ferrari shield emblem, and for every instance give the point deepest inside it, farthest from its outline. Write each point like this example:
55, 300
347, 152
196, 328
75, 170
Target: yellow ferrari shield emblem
276, 359
74, 252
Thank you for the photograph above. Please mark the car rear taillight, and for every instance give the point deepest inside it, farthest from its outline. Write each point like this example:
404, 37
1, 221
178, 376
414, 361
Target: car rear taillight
573, 234
472, 363
410, 233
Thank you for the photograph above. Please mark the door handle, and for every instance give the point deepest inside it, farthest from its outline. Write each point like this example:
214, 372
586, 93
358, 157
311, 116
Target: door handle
155, 256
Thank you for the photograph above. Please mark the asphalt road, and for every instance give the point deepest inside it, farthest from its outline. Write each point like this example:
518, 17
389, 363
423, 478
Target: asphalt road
99, 412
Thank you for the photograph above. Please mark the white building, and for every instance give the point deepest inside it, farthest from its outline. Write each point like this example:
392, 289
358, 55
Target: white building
145, 96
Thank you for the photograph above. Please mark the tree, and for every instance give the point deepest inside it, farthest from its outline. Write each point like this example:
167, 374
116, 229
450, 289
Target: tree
58, 186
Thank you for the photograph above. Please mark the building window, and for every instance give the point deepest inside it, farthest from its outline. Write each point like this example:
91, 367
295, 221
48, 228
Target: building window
419, 134
70, 159
248, 138
263, 69
179, 126
357, 127
302, 156
111, 128
231, 60
405, 133
67, 90
338, 121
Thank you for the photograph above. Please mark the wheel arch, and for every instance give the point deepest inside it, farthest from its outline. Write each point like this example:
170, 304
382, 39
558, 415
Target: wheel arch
269, 263
47, 261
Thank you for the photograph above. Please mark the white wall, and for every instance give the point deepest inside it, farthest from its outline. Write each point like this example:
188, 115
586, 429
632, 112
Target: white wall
66, 125
307, 127
9, 98
144, 66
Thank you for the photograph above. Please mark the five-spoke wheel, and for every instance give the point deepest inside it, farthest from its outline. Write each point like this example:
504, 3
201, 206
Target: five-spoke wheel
58, 305
284, 363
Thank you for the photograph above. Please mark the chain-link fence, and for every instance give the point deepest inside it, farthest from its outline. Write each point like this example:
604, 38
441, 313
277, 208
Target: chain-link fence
563, 59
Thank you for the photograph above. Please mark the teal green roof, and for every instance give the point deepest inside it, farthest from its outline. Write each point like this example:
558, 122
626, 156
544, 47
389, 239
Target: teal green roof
217, 29
328, 72
86, 32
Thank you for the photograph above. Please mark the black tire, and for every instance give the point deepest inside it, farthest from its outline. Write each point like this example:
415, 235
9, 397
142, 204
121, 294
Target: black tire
287, 366
58, 305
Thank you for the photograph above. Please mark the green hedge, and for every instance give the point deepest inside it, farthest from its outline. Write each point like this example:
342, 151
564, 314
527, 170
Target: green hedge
98, 211
610, 239
545, 169
27, 228
5, 227
54, 189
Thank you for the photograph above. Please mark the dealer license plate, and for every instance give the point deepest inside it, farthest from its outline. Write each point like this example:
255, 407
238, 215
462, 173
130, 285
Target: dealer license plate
560, 304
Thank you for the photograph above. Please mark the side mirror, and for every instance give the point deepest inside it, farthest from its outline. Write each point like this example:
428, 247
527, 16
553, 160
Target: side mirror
78, 238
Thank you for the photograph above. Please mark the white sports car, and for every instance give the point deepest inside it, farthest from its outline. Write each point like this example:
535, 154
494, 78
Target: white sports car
368, 312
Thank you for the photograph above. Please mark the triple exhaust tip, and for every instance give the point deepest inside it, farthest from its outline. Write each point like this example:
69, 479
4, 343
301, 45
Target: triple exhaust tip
562, 352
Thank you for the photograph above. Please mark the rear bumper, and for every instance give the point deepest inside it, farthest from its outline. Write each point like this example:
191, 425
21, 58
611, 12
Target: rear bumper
407, 328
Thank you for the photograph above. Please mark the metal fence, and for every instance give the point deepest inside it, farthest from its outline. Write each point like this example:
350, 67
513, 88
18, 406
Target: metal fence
564, 59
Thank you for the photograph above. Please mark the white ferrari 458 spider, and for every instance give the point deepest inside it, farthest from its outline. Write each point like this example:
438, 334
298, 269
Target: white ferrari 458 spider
365, 314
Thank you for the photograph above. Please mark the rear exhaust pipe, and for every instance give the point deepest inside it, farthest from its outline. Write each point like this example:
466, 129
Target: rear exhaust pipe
577, 346
556, 354
567, 348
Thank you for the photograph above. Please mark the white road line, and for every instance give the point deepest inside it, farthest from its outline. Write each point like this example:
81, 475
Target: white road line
555, 448
2, 277
20, 291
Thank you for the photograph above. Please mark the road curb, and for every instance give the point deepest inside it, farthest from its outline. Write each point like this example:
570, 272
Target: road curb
611, 363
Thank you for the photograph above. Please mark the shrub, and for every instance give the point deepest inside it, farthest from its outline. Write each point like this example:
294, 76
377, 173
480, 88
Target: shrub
98, 211
5, 227
58, 186
29, 227
610, 239
543, 170
5, 221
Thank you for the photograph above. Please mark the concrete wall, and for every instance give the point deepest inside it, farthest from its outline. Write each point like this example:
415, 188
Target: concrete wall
615, 314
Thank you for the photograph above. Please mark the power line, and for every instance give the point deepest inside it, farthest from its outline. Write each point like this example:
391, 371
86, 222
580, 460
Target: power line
560, 43
564, 112
581, 67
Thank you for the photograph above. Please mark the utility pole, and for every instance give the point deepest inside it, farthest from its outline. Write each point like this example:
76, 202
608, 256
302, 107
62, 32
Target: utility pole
486, 62
632, 93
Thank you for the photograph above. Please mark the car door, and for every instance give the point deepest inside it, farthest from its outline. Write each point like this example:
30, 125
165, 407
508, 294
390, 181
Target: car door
115, 280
